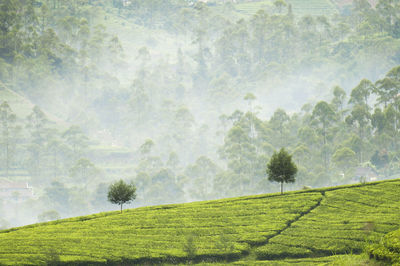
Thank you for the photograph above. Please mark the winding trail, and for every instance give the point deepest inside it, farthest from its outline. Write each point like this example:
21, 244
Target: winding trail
252, 255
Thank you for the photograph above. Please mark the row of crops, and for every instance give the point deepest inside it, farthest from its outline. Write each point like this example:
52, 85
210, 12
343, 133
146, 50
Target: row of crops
256, 229
339, 260
388, 249
346, 220
214, 230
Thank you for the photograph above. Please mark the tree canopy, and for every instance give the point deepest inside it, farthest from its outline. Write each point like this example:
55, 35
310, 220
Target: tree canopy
281, 168
120, 193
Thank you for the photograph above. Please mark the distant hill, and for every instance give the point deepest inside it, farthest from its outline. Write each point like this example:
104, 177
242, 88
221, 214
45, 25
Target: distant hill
22, 106
297, 227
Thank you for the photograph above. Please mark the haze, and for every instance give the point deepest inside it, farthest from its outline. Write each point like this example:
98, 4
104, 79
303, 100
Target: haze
189, 99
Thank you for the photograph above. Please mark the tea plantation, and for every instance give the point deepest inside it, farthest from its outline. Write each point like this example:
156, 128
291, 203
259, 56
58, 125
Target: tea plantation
297, 227
388, 249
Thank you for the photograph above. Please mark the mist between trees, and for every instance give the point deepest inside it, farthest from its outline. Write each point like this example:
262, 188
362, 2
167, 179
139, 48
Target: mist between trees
189, 100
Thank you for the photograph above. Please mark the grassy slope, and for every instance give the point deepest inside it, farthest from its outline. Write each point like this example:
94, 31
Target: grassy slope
247, 230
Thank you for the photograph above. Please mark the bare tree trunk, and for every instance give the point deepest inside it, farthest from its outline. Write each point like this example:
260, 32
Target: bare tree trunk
121, 208
281, 187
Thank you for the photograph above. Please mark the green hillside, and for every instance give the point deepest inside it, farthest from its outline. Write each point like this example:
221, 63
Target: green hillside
307, 224
388, 249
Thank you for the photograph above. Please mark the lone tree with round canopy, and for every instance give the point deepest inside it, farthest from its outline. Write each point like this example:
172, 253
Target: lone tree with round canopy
120, 192
281, 168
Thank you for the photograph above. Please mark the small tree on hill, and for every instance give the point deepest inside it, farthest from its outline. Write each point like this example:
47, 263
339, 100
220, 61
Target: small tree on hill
121, 192
281, 168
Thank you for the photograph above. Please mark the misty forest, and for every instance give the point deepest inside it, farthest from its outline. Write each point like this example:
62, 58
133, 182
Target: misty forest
189, 99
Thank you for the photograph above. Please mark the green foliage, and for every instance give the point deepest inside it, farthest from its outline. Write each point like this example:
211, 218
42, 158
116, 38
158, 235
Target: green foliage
380, 159
78, 142
281, 168
345, 220
83, 171
220, 229
344, 157
388, 249
312, 223
120, 193
278, 251
124, 77
58, 196
339, 260
8, 135
360, 94
189, 246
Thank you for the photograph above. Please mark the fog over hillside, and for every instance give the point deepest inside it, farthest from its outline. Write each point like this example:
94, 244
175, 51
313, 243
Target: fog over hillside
189, 99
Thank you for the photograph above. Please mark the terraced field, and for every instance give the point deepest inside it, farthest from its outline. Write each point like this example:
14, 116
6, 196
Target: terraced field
299, 7
346, 219
261, 229
216, 229
388, 249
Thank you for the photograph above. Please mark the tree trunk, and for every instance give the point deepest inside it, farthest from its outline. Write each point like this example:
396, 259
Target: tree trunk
361, 138
121, 208
325, 155
281, 187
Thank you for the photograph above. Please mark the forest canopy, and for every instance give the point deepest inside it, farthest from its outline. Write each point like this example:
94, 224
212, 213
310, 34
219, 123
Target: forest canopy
189, 99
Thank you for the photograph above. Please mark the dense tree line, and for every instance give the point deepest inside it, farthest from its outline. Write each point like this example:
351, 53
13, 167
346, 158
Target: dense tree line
34, 143
185, 87
328, 139
35, 150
